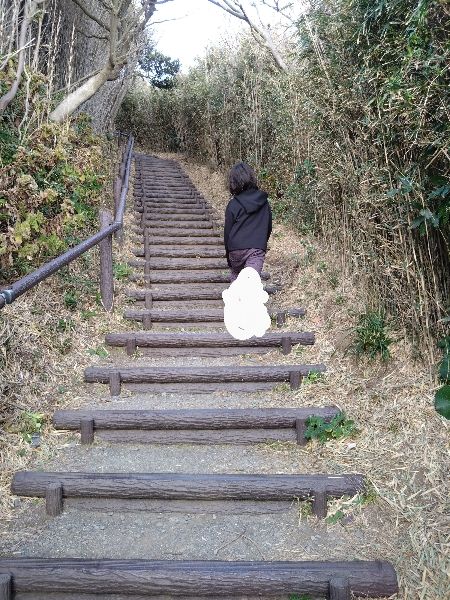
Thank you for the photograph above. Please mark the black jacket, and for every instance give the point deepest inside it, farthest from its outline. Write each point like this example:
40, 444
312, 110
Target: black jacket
248, 221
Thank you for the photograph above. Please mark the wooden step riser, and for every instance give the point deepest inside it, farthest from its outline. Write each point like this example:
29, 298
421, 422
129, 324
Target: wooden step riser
190, 195
179, 240
212, 378
177, 277
175, 217
141, 198
171, 209
179, 232
186, 293
238, 426
55, 487
174, 211
180, 263
162, 252
199, 579
134, 340
186, 277
156, 214
167, 198
161, 192
192, 316
194, 419
178, 225
140, 201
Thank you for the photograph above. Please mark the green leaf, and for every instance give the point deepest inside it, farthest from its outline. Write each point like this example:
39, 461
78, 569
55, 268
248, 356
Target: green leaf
430, 216
442, 401
392, 193
444, 369
406, 185
333, 519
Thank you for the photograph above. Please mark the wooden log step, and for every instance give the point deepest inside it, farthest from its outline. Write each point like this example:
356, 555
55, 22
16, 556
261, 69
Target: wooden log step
163, 182
169, 208
115, 376
185, 293
168, 201
196, 579
202, 426
188, 193
180, 232
174, 211
181, 240
167, 197
180, 263
178, 224
191, 486
162, 191
135, 339
186, 277
189, 203
174, 217
210, 315
196, 252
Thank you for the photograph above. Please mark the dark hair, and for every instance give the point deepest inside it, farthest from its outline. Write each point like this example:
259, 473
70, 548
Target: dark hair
241, 177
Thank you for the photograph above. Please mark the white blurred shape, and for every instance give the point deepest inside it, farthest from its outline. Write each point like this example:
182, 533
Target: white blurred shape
245, 313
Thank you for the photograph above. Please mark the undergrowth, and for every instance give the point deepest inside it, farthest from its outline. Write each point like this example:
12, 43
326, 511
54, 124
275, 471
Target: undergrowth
51, 180
371, 336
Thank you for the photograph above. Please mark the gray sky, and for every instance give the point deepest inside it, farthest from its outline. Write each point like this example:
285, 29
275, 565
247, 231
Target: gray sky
201, 24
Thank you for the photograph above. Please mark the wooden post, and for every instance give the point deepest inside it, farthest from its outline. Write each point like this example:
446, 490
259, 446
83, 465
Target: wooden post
286, 345
148, 300
300, 428
115, 385
147, 321
5, 587
295, 379
117, 191
281, 318
340, 588
54, 499
87, 430
131, 346
319, 504
106, 263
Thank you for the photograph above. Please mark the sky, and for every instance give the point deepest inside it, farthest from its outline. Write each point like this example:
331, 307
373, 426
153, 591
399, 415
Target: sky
199, 24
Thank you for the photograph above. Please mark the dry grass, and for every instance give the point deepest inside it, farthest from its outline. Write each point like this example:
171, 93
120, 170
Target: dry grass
44, 348
401, 445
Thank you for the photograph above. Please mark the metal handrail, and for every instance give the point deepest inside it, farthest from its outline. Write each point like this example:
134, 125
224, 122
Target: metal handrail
7, 296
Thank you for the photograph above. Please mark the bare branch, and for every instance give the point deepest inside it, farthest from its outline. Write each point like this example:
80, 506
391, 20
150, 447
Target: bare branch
29, 13
237, 10
228, 9
106, 5
90, 15
92, 35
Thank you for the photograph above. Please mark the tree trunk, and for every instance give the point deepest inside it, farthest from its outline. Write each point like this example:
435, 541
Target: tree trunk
80, 95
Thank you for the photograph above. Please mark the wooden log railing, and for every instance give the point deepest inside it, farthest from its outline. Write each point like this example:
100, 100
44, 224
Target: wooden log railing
108, 227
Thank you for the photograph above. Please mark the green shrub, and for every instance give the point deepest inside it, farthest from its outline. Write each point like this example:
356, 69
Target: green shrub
442, 396
319, 429
50, 186
371, 335
121, 271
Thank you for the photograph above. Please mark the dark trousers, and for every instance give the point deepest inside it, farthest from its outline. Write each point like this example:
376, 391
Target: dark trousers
250, 257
